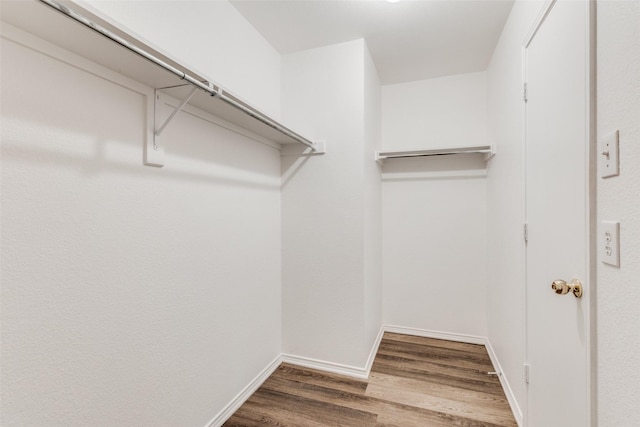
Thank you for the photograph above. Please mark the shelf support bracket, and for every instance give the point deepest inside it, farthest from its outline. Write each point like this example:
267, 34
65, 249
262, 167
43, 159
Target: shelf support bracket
154, 152
491, 153
175, 112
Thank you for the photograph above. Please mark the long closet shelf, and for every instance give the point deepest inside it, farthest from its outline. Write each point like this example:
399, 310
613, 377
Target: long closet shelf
487, 150
96, 38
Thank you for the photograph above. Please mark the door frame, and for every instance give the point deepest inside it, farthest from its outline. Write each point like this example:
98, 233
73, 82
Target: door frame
590, 200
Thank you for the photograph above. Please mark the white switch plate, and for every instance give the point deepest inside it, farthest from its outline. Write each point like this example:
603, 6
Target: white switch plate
608, 148
609, 243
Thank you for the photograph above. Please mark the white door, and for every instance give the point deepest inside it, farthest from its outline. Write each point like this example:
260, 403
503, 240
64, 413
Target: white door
557, 154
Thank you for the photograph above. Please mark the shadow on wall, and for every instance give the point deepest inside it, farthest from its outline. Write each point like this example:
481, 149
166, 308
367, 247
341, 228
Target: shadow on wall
55, 113
229, 160
293, 158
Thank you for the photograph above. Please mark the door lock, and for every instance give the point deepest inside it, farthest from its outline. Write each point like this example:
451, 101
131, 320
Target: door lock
561, 287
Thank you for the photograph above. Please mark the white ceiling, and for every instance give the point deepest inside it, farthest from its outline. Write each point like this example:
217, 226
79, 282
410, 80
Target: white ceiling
408, 40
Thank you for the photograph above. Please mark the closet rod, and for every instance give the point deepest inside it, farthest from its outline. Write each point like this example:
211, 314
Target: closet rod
216, 92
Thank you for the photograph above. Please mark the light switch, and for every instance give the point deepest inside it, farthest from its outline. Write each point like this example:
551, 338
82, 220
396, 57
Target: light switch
608, 147
609, 243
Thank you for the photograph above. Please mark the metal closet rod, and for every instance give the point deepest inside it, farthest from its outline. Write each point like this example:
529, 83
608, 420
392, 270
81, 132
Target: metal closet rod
210, 89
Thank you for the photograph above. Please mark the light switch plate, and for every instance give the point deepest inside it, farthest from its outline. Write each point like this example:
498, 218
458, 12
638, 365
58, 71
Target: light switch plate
608, 158
609, 243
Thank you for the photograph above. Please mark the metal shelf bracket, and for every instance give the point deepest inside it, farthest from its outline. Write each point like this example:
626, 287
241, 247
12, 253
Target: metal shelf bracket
174, 113
154, 151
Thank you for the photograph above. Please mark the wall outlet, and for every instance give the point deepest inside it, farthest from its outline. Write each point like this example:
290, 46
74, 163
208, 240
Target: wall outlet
609, 243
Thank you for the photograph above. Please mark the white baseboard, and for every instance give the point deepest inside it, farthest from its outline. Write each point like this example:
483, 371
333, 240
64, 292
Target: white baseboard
374, 351
337, 368
471, 339
321, 365
508, 391
242, 397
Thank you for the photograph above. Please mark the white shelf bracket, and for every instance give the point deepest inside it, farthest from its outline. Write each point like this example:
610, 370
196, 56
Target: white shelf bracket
320, 147
174, 113
491, 153
154, 151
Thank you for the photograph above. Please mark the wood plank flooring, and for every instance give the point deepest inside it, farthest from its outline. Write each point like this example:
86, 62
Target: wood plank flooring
414, 381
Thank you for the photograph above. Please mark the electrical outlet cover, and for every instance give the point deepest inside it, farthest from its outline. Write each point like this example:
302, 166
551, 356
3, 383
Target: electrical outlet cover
609, 243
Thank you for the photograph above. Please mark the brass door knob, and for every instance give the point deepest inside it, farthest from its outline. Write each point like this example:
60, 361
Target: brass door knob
561, 287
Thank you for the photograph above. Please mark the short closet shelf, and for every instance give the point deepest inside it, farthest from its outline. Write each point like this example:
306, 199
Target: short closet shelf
487, 151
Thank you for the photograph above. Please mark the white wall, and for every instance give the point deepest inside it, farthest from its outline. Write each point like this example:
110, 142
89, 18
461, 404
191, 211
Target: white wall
212, 37
323, 207
434, 216
131, 295
618, 315
372, 199
442, 112
434, 209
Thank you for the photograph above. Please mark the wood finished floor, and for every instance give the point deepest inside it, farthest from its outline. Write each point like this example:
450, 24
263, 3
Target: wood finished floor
414, 381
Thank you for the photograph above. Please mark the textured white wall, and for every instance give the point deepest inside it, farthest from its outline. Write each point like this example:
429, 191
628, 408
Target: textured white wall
212, 37
505, 198
433, 216
323, 207
433, 209
372, 199
618, 291
442, 112
131, 295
